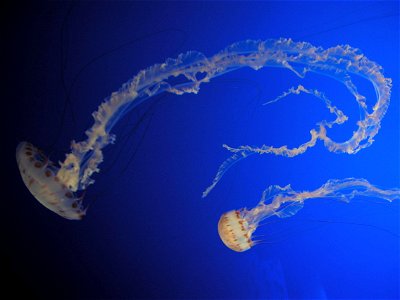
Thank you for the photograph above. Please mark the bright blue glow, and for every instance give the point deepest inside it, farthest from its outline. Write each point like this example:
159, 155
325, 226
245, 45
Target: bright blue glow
149, 234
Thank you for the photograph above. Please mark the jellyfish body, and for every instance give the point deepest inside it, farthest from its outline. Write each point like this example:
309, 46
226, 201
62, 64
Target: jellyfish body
235, 232
340, 62
236, 227
39, 176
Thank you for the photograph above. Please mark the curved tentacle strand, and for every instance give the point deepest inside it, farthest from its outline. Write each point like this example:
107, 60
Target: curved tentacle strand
76, 171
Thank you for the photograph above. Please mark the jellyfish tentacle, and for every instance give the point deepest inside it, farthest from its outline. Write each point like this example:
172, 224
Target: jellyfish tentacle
76, 172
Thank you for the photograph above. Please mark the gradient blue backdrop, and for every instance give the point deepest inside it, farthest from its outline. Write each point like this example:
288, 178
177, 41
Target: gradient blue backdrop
148, 233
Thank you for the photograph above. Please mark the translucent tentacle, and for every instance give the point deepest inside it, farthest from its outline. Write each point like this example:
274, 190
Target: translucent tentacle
299, 57
190, 70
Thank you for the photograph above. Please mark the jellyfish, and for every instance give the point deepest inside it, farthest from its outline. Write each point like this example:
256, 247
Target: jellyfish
236, 227
40, 176
185, 74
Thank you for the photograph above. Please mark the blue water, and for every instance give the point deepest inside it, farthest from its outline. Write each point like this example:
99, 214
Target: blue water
148, 234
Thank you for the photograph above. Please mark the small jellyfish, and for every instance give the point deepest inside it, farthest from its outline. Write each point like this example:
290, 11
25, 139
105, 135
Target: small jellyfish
235, 231
236, 227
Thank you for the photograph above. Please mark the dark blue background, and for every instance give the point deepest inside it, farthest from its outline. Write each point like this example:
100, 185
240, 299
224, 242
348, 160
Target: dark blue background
148, 233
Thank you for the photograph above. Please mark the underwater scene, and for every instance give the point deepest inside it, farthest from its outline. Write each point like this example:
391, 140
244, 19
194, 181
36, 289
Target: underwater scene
202, 150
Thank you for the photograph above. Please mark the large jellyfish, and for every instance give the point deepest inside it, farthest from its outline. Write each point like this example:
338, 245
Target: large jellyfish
236, 227
56, 187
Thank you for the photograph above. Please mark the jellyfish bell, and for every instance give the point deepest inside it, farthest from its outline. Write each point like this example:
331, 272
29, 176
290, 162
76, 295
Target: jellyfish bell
235, 231
40, 177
